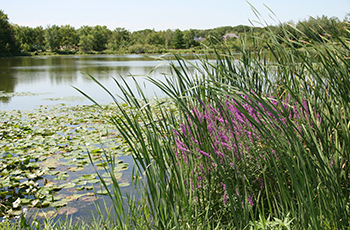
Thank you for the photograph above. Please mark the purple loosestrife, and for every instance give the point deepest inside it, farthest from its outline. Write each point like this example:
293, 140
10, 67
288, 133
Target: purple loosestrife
228, 137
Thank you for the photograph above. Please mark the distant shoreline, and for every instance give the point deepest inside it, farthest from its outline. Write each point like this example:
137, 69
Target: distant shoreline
106, 52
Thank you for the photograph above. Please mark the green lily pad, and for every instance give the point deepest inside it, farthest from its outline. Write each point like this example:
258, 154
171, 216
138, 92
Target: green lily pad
81, 182
101, 192
74, 197
41, 148
47, 214
14, 212
67, 185
89, 187
93, 181
124, 184
61, 177
25, 201
76, 169
80, 188
59, 203
117, 175
89, 176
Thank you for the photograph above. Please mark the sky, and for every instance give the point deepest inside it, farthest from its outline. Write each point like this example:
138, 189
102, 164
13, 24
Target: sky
136, 15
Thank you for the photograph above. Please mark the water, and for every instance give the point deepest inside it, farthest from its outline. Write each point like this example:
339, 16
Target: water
36, 81
53, 78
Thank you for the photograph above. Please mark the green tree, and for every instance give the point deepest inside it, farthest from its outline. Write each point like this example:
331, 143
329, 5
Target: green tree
139, 37
168, 37
69, 36
241, 29
8, 44
39, 42
178, 39
26, 37
155, 38
188, 37
120, 38
53, 37
101, 35
86, 39
221, 31
86, 42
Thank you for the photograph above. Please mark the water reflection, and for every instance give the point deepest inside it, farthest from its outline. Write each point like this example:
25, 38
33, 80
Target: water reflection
7, 80
56, 75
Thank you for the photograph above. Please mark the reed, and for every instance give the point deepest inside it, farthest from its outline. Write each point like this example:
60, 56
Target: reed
251, 143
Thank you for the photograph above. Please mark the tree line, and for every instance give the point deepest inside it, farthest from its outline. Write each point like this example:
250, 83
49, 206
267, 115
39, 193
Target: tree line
16, 39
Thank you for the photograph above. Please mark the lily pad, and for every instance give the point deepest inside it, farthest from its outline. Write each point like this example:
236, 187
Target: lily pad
76, 169
93, 181
88, 198
41, 148
124, 184
47, 214
60, 203
67, 185
74, 197
89, 187
67, 211
102, 192
117, 175
14, 212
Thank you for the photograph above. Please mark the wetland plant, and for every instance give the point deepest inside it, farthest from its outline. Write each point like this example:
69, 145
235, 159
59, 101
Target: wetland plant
256, 142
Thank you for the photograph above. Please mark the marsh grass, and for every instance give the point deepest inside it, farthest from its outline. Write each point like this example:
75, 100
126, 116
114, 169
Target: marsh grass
292, 172
295, 144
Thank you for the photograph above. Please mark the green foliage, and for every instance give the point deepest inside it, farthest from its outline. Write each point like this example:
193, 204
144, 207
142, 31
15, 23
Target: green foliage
276, 224
53, 37
8, 45
178, 40
101, 35
86, 39
30, 39
86, 42
120, 38
69, 36
50, 137
155, 38
188, 37
302, 163
100, 38
139, 37
26, 36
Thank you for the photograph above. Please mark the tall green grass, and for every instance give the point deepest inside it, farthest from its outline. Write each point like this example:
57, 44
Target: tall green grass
293, 173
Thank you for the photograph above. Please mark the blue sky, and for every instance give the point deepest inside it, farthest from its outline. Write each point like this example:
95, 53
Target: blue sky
161, 15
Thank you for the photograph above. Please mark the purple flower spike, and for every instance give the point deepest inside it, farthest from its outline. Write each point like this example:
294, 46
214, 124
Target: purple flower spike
203, 153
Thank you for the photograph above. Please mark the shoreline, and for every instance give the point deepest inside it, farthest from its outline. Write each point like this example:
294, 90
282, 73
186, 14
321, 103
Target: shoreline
106, 52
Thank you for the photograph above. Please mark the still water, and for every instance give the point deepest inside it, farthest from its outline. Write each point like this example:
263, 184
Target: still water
28, 82
50, 79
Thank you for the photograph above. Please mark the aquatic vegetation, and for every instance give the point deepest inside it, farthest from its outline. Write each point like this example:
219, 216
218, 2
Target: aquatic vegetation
19, 94
45, 152
236, 144
251, 143
256, 142
67, 98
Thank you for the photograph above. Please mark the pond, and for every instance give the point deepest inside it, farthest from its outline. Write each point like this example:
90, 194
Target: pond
52, 77
47, 129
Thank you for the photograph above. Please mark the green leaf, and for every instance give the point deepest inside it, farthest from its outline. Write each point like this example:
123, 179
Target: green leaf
67, 185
